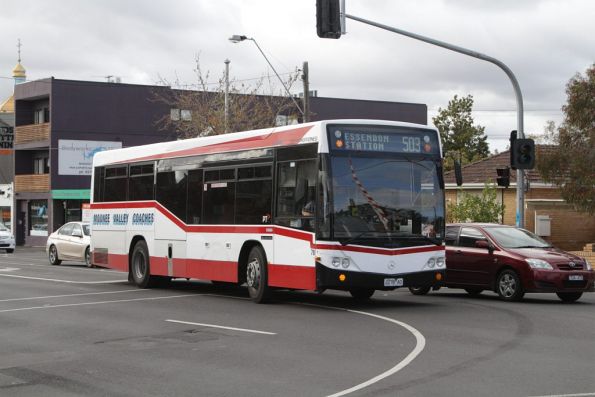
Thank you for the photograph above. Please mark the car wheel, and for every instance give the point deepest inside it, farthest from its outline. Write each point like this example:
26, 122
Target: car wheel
509, 286
473, 291
362, 294
53, 256
88, 257
257, 276
419, 290
569, 296
10, 250
141, 267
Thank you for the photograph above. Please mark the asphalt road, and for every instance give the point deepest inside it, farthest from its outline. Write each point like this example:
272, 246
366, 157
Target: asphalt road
70, 331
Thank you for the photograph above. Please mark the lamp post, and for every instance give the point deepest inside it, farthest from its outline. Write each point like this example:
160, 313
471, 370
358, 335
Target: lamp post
238, 38
226, 95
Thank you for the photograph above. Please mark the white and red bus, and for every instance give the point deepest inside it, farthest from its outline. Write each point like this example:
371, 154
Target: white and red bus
355, 205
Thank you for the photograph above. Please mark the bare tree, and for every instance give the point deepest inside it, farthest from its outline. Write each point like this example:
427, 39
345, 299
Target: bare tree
199, 110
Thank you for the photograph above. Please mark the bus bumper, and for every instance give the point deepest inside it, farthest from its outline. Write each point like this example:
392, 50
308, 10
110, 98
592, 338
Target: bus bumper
339, 279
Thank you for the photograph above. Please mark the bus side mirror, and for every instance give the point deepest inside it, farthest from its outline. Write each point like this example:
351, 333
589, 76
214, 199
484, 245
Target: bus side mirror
458, 173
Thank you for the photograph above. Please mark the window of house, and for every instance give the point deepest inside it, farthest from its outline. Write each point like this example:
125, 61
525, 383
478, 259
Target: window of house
174, 114
186, 115
41, 165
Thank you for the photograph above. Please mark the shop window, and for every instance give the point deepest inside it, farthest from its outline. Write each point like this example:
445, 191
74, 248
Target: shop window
38, 218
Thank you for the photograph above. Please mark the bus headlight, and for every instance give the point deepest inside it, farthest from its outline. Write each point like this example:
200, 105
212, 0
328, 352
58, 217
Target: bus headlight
431, 263
336, 261
435, 262
345, 263
440, 261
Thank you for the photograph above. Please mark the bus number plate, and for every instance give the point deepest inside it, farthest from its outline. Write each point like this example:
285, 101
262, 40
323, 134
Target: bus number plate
393, 282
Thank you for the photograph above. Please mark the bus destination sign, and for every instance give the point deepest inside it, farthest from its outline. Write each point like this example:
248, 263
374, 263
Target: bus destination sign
387, 141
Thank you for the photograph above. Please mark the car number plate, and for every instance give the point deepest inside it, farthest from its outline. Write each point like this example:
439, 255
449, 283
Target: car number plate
393, 282
575, 277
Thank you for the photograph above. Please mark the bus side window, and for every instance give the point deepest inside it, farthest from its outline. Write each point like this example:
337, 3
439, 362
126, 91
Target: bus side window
296, 196
194, 203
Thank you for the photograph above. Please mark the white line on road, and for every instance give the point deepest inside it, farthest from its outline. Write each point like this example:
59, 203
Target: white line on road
223, 327
82, 267
64, 281
420, 343
96, 303
569, 395
69, 295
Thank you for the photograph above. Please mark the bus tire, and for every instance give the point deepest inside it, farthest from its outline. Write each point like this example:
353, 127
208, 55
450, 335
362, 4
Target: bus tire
419, 290
257, 276
140, 266
362, 294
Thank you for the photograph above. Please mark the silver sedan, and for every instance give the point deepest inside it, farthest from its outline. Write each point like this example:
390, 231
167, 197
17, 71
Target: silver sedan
71, 242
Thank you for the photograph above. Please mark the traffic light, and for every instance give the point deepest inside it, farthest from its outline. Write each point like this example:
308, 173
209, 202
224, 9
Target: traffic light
328, 19
503, 176
522, 154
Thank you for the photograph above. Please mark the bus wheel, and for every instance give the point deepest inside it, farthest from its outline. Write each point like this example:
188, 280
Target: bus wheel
140, 269
362, 294
419, 290
257, 276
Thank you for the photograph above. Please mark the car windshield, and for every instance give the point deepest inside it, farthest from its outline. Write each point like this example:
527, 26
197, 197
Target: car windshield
3, 228
377, 197
86, 230
510, 237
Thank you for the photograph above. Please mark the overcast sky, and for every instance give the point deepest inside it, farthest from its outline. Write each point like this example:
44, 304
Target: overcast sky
544, 43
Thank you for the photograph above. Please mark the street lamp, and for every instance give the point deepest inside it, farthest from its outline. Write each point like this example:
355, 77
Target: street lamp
236, 38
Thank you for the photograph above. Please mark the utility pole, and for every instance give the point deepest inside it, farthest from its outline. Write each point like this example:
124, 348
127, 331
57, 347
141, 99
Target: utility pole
520, 177
306, 81
226, 95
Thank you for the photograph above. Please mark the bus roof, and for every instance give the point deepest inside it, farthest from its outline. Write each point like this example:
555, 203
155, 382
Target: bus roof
255, 139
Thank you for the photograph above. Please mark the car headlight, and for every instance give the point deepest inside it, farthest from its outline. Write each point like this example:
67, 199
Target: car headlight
539, 264
588, 265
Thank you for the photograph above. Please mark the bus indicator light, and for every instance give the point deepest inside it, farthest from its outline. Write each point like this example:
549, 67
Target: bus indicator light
438, 276
342, 277
427, 148
339, 143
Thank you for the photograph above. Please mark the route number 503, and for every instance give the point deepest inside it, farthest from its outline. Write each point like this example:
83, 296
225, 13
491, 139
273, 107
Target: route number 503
411, 144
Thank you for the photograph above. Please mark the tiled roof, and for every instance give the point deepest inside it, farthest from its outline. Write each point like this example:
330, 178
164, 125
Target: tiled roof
485, 170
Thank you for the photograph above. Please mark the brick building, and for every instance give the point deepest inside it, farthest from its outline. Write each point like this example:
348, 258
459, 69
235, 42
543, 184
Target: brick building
568, 229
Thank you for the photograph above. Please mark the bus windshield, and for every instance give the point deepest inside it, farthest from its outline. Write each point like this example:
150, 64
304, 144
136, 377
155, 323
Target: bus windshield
386, 198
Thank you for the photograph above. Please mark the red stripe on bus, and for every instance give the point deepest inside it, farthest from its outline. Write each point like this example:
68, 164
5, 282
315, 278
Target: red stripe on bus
273, 139
118, 262
212, 270
298, 277
264, 229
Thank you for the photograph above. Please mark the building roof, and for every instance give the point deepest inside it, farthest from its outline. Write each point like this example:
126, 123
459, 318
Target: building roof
485, 170
19, 71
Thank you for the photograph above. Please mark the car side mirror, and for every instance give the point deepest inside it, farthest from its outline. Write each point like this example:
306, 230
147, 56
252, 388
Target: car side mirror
484, 244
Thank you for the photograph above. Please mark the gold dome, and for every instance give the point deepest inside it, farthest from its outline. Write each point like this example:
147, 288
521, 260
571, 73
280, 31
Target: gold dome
19, 71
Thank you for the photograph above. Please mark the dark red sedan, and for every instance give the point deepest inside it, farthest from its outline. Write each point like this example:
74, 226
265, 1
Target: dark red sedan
511, 261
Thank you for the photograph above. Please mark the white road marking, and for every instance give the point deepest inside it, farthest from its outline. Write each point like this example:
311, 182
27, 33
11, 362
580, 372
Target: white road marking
96, 303
48, 266
64, 281
9, 269
420, 343
223, 327
569, 395
69, 295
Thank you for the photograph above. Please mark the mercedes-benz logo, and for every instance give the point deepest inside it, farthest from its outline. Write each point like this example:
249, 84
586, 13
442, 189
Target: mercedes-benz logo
572, 264
391, 265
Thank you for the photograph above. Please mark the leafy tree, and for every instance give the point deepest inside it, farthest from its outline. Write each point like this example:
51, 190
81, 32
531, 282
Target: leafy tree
252, 105
476, 208
570, 164
461, 139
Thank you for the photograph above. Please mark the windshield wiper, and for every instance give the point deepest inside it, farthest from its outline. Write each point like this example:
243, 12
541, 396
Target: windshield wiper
422, 237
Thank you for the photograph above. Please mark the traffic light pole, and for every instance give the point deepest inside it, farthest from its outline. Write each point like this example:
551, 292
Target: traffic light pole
520, 192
